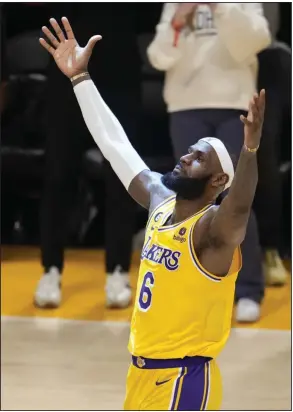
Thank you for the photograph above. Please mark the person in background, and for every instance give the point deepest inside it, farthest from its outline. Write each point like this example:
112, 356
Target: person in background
115, 71
274, 75
209, 53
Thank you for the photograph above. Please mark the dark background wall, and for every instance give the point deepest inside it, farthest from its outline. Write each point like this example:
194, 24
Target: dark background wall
29, 16
136, 19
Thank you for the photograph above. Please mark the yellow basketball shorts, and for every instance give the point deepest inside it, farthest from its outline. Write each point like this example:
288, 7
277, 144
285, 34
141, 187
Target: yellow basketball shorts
192, 384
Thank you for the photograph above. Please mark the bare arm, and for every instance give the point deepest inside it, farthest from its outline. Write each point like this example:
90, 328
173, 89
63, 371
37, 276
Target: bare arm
230, 221
224, 228
104, 127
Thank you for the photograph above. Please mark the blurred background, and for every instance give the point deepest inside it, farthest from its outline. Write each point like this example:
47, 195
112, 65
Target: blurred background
61, 202
58, 192
26, 72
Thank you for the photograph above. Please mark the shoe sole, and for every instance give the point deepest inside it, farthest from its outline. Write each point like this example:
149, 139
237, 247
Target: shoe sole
117, 306
247, 321
110, 305
46, 306
276, 284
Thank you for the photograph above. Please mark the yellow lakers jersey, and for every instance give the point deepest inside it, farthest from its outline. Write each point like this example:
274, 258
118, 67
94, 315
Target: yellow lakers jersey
180, 309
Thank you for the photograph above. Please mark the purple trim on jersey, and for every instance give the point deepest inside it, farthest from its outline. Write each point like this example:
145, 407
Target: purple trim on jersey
215, 279
158, 207
194, 392
169, 227
188, 361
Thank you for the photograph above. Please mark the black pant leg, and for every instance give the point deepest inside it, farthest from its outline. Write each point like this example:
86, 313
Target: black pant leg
119, 222
65, 142
269, 191
272, 77
186, 128
120, 207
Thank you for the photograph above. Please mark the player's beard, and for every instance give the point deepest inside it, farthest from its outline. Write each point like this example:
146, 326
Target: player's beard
185, 187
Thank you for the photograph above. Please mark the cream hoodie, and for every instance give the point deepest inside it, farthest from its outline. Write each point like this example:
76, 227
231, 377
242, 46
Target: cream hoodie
214, 66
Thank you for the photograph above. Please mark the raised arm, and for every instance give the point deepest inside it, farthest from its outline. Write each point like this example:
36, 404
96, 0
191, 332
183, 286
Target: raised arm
111, 138
225, 228
104, 127
231, 218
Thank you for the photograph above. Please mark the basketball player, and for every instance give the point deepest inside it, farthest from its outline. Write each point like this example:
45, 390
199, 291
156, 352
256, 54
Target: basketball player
191, 255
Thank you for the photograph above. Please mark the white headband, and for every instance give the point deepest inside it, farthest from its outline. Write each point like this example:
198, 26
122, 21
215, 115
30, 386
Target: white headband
223, 156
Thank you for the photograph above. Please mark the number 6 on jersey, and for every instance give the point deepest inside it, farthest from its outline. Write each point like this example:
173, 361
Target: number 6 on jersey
145, 296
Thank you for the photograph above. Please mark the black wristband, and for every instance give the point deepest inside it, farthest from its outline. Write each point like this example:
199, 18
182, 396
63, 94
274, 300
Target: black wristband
80, 78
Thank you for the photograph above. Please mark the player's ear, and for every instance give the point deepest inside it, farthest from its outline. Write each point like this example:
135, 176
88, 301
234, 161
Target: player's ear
220, 179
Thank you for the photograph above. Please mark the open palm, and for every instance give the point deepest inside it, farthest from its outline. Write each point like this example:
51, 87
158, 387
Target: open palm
68, 55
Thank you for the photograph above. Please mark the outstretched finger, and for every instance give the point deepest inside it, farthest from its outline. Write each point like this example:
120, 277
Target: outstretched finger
68, 28
254, 109
256, 99
250, 111
244, 120
46, 46
262, 102
91, 44
58, 30
50, 36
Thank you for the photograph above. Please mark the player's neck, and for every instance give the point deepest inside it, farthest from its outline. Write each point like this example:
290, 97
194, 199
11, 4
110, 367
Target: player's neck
186, 208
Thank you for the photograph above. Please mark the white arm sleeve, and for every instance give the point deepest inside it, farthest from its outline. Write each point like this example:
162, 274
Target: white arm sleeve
108, 133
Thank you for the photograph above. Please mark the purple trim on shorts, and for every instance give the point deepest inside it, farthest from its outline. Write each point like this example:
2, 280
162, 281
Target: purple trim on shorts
146, 363
175, 394
208, 388
194, 392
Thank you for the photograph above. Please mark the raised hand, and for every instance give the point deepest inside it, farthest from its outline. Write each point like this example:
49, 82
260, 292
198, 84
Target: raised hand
254, 121
68, 55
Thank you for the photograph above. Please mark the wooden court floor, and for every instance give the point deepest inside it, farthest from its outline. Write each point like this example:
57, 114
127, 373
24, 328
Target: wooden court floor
75, 357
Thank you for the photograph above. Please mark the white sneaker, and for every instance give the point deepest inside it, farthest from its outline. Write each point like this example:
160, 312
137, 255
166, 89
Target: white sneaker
118, 291
247, 310
48, 293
